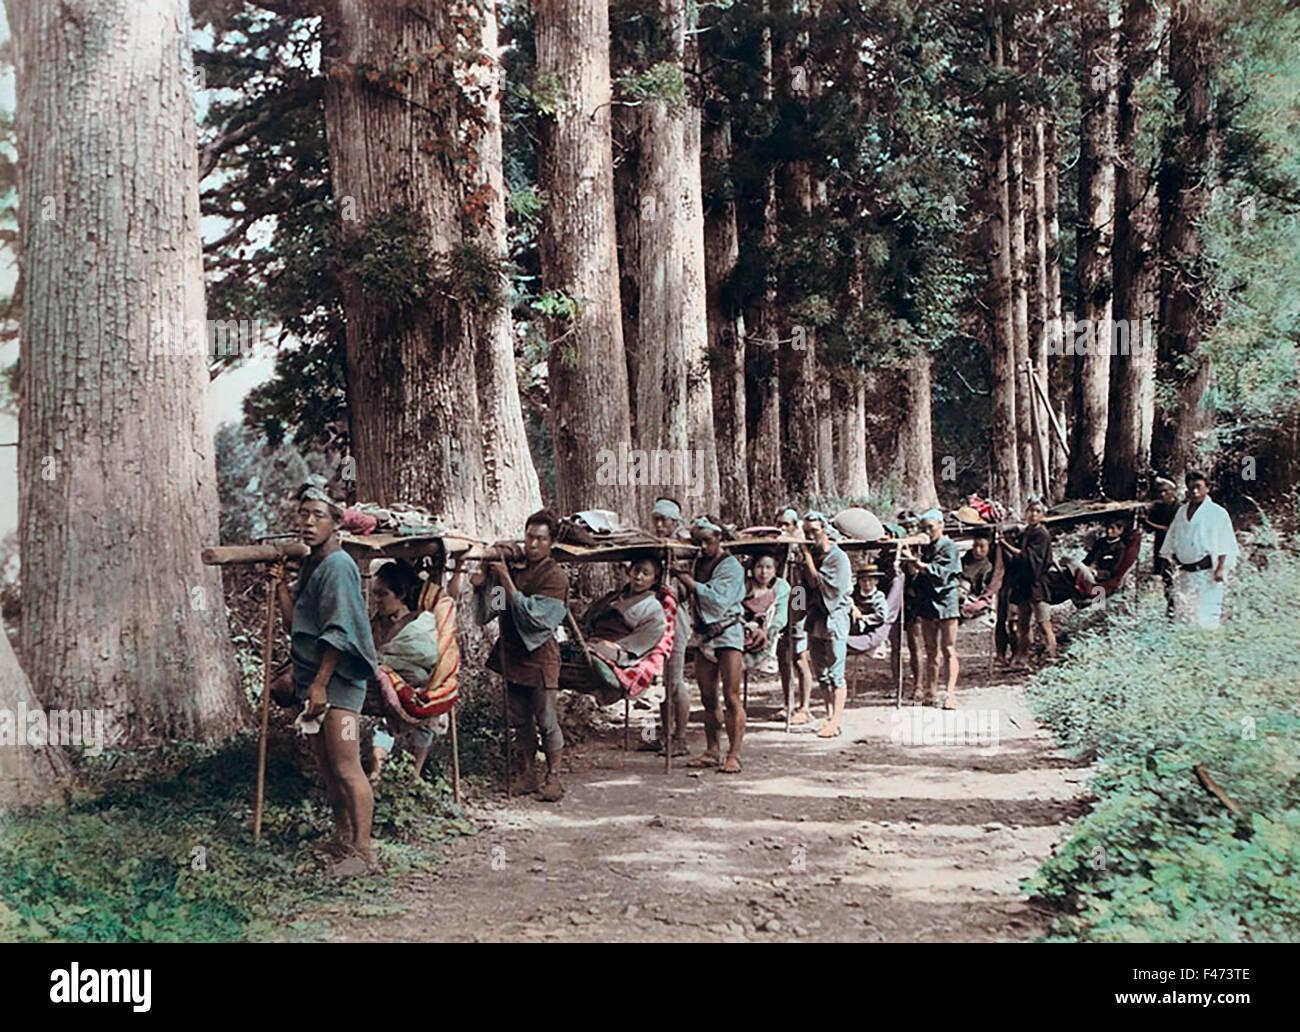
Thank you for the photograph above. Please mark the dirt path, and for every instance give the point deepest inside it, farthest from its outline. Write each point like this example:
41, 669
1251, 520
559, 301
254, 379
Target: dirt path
864, 837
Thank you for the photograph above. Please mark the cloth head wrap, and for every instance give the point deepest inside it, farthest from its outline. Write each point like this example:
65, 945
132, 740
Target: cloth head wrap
932, 514
814, 514
667, 508
788, 516
319, 494
703, 523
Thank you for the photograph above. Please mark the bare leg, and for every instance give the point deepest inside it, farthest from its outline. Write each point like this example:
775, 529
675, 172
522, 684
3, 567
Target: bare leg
344, 835
1024, 618
948, 646
730, 665
706, 674
930, 634
914, 657
803, 670
1049, 636
342, 734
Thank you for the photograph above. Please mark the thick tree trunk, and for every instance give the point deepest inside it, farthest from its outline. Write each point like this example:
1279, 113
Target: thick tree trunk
1137, 256
1039, 314
587, 367
851, 441
117, 485
1020, 273
413, 145
767, 490
1096, 236
1050, 373
914, 460
674, 396
1005, 462
726, 324
626, 129
30, 769
511, 488
798, 356
1185, 187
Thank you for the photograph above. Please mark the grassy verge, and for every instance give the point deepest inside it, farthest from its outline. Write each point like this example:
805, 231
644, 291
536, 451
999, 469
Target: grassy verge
157, 846
1160, 857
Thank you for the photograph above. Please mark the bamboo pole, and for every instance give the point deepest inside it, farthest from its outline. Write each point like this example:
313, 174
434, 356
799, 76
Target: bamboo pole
272, 582
666, 578
898, 630
455, 759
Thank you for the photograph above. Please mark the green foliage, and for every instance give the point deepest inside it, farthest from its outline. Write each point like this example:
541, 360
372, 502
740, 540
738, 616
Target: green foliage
662, 81
392, 259
556, 304
545, 95
477, 276
1159, 858
526, 202
157, 847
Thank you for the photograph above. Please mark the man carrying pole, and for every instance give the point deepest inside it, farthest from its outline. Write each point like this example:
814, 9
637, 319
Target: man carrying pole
828, 576
530, 606
666, 519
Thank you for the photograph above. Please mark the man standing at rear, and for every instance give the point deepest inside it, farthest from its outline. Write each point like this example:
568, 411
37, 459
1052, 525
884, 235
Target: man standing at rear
1202, 548
937, 570
530, 606
666, 519
828, 576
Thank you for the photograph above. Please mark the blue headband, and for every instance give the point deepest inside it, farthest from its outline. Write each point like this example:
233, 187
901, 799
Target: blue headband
667, 508
704, 523
931, 514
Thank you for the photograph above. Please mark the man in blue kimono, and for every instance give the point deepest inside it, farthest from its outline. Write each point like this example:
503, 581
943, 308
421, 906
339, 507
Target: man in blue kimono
828, 577
717, 594
938, 572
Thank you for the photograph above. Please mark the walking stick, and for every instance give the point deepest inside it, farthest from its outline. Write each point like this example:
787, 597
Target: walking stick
272, 581
455, 759
789, 633
666, 577
898, 631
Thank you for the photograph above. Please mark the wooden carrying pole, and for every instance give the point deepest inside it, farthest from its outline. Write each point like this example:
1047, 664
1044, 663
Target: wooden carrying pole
267, 552
898, 629
272, 582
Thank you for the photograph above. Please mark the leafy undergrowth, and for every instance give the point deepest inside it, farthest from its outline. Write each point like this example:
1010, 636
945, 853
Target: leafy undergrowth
1160, 857
157, 846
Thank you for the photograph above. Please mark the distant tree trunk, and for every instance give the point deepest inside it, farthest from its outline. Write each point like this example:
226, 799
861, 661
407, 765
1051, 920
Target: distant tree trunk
797, 357
826, 472
116, 477
28, 774
1096, 236
412, 150
1005, 484
1137, 256
1047, 372
914, 460
762, 369
674, 397
587, 368
626, 128
853, 484
1186, 181
1020, 273
1036, 258
726, 323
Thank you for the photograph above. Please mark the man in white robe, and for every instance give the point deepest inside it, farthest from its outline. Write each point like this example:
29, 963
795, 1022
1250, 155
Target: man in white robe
1202, 548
